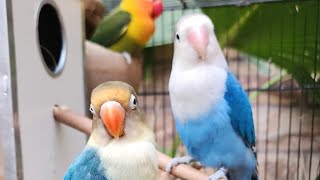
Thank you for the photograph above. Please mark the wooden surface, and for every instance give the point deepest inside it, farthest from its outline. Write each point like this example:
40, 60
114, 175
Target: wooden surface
46, 147
102, 64
83, 124
76, 121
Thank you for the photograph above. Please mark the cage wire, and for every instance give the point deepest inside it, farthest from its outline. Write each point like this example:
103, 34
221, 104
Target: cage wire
273, 50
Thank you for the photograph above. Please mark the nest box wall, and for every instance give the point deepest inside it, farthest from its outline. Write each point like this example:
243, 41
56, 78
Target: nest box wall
43, 62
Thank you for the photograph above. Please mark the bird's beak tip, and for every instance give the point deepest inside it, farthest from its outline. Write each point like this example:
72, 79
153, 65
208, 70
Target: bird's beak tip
113, 117
199, 39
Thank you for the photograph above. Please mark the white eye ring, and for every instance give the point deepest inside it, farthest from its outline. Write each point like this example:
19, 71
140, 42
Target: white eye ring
92, 109
133, 102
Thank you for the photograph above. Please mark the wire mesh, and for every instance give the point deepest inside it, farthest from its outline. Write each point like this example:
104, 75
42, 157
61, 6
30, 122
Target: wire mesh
285, 108
184, 4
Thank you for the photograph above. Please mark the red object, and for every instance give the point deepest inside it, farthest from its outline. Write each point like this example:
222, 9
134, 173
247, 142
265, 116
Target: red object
157, 8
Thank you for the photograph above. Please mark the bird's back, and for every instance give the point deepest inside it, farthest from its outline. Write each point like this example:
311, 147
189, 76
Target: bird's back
139, 31
127, 28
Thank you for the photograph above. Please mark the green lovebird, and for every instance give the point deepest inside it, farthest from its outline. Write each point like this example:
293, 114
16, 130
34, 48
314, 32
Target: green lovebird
128, 28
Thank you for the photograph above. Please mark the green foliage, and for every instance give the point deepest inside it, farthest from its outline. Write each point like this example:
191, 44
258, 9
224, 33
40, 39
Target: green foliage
268, 84
284, 32
173, 151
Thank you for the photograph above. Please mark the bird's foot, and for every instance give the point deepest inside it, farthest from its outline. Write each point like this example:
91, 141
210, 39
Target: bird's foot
127, 57
179, 160
221, 173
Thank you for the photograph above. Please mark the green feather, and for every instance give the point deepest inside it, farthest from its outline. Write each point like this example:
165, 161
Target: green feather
112, 28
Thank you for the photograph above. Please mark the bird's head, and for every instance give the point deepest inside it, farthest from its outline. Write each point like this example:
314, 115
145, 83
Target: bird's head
195, 41
115, 104
153, 8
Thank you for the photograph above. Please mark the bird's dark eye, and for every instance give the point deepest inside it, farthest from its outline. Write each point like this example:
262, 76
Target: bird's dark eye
92, 109
178, 37
133, 102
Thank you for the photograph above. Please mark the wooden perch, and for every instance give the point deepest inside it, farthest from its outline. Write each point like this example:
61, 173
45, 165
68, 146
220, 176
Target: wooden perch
182, 171
76, 121
83, 124
102, 64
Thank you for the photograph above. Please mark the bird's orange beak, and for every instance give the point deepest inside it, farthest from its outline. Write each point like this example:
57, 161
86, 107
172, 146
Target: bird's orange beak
157, 8
113, 116
199, 39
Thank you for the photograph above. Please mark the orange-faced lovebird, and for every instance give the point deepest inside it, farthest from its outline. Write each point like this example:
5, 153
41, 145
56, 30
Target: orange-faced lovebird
128, 28
121, 145
211, 110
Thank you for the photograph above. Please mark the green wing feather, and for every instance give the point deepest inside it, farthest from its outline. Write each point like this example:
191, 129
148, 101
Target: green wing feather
112, 28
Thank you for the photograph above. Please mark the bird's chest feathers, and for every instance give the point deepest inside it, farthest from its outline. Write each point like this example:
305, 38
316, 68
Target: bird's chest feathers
206, 127
130, 160
194, 92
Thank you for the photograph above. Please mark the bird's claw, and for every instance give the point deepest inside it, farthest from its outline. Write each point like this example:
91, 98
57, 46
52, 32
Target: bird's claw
178, 160
221, 173
127, 57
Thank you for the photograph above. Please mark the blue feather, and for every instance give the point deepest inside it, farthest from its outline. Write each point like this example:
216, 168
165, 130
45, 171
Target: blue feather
224, 135
211, 139
240, 114
87, 166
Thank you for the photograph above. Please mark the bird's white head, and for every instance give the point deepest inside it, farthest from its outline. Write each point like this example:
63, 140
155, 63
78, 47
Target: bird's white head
196, 42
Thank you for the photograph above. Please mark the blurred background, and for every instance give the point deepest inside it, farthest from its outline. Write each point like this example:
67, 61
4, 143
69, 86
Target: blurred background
273, 48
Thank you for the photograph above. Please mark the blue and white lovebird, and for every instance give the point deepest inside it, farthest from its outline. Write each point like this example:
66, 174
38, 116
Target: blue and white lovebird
211, 110
121, 145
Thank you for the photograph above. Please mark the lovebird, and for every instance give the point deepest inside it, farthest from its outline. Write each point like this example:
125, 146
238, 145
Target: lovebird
128, 28
212, 112
121, 145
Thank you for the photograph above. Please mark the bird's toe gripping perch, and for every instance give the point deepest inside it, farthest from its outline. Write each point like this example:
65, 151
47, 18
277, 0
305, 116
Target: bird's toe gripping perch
221, 173
179, 160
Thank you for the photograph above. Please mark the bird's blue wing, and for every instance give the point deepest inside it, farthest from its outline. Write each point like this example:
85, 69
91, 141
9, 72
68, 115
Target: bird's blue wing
240, 113
87, 166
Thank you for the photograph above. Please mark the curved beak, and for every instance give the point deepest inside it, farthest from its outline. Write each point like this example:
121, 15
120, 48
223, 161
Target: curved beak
157, 8
113, 117
198, 37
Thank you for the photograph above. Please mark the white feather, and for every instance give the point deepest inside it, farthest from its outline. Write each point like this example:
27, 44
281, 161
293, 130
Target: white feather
184, 54
194, 91
131, 157
195, 85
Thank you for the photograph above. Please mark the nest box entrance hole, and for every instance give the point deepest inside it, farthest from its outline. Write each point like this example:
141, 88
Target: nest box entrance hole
51, 39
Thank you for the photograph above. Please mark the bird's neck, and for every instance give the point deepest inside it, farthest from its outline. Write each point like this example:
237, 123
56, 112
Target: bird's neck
134, 132
185, 62
137, 131
219, 60
130, 156
99, 136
